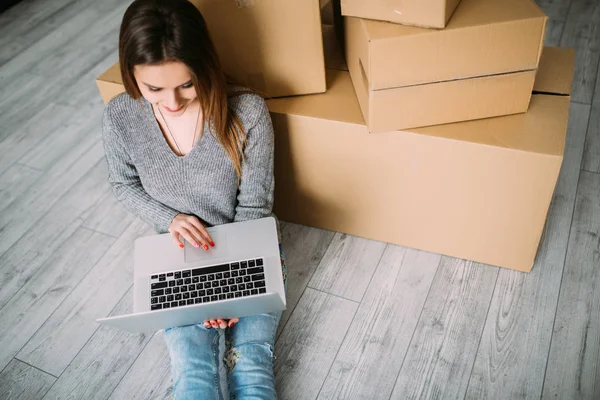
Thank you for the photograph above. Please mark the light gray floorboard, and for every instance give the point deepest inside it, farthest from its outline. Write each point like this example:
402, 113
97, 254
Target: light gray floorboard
591, 155
39, 198
44, 235
347, 266
304, 248
582, 32
573, 365
555, 9
23, 382
67, 331
104, 360
14, 181
377, 340
514, 348
150, 375
308, 344
26, 311
109, 217
441, 353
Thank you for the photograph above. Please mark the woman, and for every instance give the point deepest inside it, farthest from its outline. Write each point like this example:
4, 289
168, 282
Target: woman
185, 151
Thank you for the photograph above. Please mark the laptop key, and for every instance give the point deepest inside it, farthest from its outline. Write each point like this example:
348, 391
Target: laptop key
178, 297
186, 295
168, 291
214, 298
235, 266
170, 297
201, 293
203, 278
251, 263
258, 277
262, 290
154, 277
246, 293
206, 285
179, 282
230, 281
210, 292
211, 277
154, 300
190, 302
187, 281
244, 264
249, 285
159, 285
227, 275
241, 286
215, 283
162, 277
259, 262
195, 279
186, 274
221, 297
197, 300
169, 274
233, 288
255, 270
225, 289
218, 290
175, 290
171, 283
206, 299
246, 278
259, 284
243, 272
158, 292
238, 294
191, 287
230, 295
162, 299
166, 305
194, 294
239, 279
182, 302
174, 304
177, 275
254, 291
156, 307
223, 282
183, 289
234, 273
219, 276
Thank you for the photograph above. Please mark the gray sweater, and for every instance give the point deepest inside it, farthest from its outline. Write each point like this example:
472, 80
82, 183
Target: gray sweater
155, 184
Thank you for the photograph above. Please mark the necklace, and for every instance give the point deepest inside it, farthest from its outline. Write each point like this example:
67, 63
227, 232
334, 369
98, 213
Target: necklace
179, 152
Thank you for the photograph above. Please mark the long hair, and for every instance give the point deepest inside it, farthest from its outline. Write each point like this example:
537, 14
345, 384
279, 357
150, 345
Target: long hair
154, 32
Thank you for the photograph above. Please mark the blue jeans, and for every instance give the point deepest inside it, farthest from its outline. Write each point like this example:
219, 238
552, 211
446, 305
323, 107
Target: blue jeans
248, 357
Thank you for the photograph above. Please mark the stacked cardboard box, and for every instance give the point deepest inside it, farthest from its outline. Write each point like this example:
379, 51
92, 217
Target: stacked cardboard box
477, 189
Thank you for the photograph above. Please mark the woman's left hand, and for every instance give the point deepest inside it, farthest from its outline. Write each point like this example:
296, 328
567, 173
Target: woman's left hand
220, 323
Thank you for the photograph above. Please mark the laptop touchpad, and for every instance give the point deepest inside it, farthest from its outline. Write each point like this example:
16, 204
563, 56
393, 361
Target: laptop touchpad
193, 254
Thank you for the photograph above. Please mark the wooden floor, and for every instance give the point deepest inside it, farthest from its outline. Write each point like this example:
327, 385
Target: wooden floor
395, 323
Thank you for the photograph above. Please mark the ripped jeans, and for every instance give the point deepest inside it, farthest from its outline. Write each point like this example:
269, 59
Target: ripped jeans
198, 365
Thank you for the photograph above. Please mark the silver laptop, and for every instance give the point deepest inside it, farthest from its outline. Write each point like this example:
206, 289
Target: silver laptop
238, 277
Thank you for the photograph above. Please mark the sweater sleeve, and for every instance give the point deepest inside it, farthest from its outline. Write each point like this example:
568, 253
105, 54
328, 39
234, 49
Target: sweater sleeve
125, 182
256, 191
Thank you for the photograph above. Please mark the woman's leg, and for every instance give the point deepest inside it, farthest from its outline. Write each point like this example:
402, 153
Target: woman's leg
194, 352
250, 355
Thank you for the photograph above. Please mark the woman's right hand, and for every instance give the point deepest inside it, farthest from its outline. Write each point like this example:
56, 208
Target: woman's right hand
191, 229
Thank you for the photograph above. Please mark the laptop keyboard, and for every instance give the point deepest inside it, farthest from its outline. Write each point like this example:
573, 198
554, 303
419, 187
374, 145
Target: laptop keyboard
207, 284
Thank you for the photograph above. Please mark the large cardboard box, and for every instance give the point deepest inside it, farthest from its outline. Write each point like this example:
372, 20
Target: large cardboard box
478, 190
409, 77
272, 46
426, 13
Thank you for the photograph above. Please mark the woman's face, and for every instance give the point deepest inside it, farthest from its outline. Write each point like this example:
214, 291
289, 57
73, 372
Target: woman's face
168, 85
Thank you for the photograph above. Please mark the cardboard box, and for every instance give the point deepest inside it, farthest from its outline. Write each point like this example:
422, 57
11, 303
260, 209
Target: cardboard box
482, 65
484, 37
110, 83
272, 46
478, 190
426, 13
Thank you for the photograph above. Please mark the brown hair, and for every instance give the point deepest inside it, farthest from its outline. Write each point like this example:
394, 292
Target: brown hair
157, 31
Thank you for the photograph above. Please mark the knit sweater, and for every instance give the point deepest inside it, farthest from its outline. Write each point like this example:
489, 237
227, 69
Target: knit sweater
154, 183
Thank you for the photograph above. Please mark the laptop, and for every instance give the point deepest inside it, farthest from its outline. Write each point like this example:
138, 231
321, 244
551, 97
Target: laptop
240, 276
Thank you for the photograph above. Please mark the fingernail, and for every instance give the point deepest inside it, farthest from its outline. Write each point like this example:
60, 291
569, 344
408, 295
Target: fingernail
219, 321
213, 324
205, 247
196, 245
181, 245
212, 244
231, 323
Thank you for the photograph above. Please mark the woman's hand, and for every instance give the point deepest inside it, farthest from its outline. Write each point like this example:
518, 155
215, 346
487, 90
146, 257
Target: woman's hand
192, 230
220, 323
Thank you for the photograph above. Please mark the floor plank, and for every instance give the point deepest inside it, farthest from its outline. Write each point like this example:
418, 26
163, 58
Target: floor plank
26, 311
591, 155
19, 381
109, 217
370, 358
150, 374
68, 330
304, 248
27, 254
441, 354
308, 344
14, 181
347, 266
573, 365
512, 356
554, 31
103, 361
555, 9
582, 32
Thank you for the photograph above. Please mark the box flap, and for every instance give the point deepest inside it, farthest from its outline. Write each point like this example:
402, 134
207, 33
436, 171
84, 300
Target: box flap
541, 130
113, 74
555, 74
